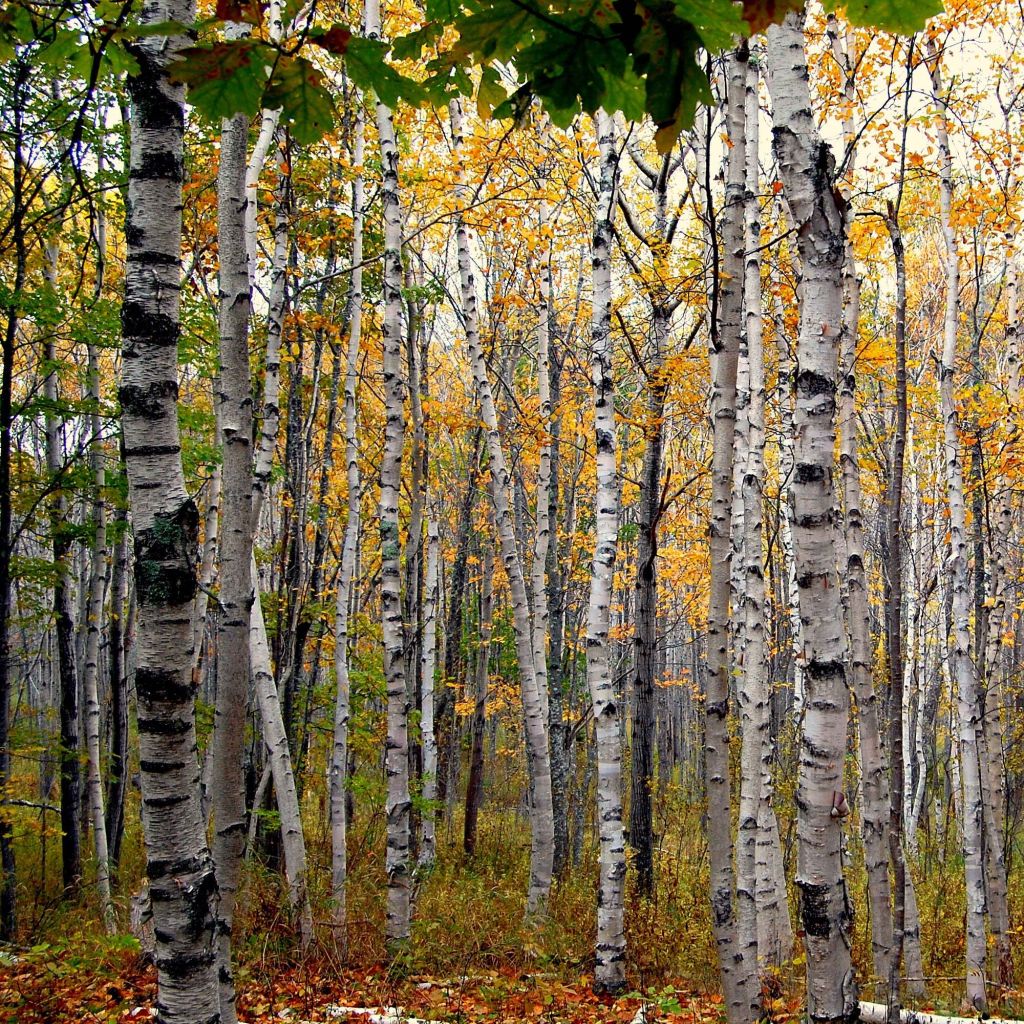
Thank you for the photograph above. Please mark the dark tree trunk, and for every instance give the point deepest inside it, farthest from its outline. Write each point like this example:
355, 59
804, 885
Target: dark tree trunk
894, 617
444, 715
475, 784
641, 828
118, 743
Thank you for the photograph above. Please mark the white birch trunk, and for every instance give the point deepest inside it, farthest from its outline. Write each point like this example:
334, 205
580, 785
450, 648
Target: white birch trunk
267, 696
962, 666
342, 707
275, 739
165, 520
806, 168
747, 560
740, 984
397, 756
610, 962
773, 930
542, 535
208, 563
786, 381
94, 628
542, 841
236, 591
874, 770
97, 593
428, 660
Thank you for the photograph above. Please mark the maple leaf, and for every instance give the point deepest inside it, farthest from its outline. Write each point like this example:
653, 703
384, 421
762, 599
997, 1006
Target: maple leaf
249, 11
334, 40
759, 14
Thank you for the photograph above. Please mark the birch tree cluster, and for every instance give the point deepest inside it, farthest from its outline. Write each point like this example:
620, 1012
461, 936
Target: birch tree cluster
611, 516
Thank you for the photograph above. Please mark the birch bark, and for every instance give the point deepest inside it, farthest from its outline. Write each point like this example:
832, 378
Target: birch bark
397, 757
236, 589
428, 661
475, 782
874, 779
63, 614
182, 881
275, 734
542, 532
773, 932
959, 653
97, 594
610, 965
342, 707
741, 989
806, 168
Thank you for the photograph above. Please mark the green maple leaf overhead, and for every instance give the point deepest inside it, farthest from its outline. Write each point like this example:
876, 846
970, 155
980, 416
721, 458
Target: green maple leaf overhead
306, 105
635, 56
225, 78
904, 17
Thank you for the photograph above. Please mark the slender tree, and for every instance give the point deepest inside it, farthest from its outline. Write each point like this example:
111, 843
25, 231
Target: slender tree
183, 886
806, 167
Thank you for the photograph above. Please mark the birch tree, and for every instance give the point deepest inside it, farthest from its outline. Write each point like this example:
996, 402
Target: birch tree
236, 586
806, 167
342, 707
165, 520
610, 966
738, 964
962, 668
397, 757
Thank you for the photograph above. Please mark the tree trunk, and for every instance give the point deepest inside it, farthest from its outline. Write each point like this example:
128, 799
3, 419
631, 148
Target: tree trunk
773, 931
94, 627
959, 654
236, 585
342, 708
542, 534
117, 772
275, 733
182, 881
64, 619
475, 784
8, 884
741, 990
428, 662
874, 779
806, 168
610, 966
397, 756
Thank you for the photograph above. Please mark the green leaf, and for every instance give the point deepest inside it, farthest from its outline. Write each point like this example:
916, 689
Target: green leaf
718, 22
368, 68
490, 93
904, 17
410, 46
445, 11
225, 78
624, 92
298, 89
496, 31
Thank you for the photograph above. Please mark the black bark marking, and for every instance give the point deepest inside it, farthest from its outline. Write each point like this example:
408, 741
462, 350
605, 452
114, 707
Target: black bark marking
164, 727
165, 557
809, 473
824, 670
814, 909
159, 166
156, 328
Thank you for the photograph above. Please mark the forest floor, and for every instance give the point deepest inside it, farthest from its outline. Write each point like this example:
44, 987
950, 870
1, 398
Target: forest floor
51, 985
